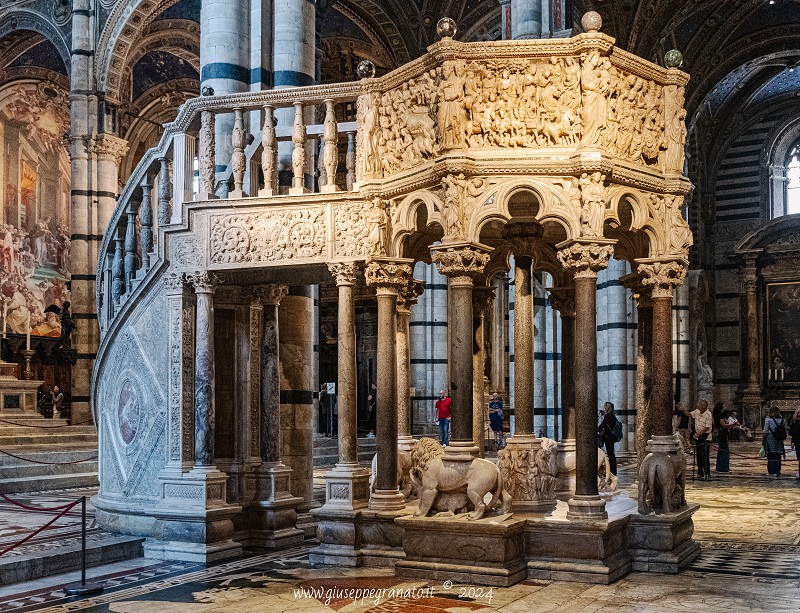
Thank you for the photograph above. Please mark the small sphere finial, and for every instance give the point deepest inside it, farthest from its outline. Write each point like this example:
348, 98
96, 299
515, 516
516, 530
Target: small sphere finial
673, 58
592, 21
446, 28
365, 69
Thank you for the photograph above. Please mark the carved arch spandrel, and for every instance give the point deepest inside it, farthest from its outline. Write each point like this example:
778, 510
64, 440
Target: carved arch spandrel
404, 216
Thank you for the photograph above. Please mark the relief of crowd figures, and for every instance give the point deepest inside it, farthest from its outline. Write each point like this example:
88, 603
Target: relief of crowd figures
33, 269
563, 102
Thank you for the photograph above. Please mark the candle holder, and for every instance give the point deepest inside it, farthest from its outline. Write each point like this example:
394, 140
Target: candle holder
28, 373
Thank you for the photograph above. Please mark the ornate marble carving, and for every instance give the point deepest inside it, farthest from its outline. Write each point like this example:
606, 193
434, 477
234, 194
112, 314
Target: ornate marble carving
460, 198
128, 412
585, 258
186, 251
267, 236
206, 153
407, 296
268, 294
352, 229
299, 151
387, 273
593, 204
662, 481
345, 273
367, 138
268, 153
164, 192
377, 219
674, 128
203, 281
662, 276
238, 159
562, 300
460, 260
458, 487
530, 474
331, 134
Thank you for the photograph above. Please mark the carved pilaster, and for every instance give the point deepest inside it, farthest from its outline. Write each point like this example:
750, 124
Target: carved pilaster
586, 259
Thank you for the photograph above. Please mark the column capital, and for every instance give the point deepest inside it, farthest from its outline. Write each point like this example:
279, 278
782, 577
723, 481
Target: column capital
203, 281
407, 296
268, 294
175, 283
562, 300
345, 273
482, 299
642, 294
388, 273
107, 146
460, 259
585, 258
521, 237
662, 276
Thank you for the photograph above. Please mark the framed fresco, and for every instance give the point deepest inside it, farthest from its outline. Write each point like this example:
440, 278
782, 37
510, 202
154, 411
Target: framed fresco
783, 331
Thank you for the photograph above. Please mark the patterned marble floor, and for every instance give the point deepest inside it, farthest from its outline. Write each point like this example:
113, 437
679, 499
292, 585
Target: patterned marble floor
748, 526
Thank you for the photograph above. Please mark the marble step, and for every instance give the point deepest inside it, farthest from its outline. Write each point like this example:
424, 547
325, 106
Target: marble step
58, 432
28, 469
47, 439
326, 451
49, 453
48, 482
9, 421
46, 558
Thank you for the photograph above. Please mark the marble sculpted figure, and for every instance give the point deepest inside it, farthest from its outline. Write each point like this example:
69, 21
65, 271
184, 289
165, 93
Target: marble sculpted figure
530, 474
662, 482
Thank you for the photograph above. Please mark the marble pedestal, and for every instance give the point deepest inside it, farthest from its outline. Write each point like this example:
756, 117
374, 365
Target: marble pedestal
663, 543
482, 552
195, 523
382, 536
273, 513
587, 552
528, 447
565, 480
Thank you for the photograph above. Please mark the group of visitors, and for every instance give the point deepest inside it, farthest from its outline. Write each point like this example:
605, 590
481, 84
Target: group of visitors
776, 431
443, 414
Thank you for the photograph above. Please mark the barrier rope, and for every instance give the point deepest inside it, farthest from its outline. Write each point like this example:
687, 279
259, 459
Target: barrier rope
37, 531
738, 455
8, 453
67, 506
13, 423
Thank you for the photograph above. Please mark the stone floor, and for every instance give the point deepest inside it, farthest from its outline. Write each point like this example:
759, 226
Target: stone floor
748, 525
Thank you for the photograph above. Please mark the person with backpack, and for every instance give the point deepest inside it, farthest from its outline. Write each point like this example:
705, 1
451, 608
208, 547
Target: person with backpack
610, 432
774, 435
794, 432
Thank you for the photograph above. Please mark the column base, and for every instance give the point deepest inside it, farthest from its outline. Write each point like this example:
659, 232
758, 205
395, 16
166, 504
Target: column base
201, 195
266, 192
297, 191
339, 534
329, 189
663, 543
587, 508
347, 487
565, 484
387, 500
460, 451
406, 443
273, 513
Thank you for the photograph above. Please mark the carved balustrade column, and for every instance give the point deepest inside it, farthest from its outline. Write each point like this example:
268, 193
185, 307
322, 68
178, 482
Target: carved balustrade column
563, 300
299, 150
482, 301
164, 193
130, 244
322, 175
388, 276
207, 160
146, 220
350, 160
460, 262
662, 277
586, 259
269, 153
118, 269
238, 159
204, 283
406, 298
330, 159
644, 355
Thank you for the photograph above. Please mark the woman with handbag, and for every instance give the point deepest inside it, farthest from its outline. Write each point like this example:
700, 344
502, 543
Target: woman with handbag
774, 435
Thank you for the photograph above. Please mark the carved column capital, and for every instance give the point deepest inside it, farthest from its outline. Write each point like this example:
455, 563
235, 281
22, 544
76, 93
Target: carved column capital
407, 296
268, 294
562, 299
521, 238
107, 146
388, 273
642, 294
662, 276
204, 282
585, 258
457, 260
482, 299
345, 273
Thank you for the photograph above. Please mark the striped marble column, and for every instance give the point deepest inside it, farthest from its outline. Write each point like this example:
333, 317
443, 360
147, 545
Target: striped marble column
541, 348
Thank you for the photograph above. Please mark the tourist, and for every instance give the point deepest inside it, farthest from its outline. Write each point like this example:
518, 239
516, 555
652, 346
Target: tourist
703, 424
372, 402
682, 411
724, 427
58, 401
774, 435
794, 432
443, 413
496, 418
605, 433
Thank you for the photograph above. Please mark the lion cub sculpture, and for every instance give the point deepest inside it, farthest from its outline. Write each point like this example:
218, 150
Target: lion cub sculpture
457, 487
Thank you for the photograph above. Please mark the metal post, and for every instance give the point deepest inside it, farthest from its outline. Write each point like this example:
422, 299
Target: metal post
83, 588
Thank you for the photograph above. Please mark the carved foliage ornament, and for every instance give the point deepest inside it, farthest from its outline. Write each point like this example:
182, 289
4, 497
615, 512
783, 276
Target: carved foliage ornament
460, 262
345, 273
387, 274
267, 236
663, 277
585, 258
268, 294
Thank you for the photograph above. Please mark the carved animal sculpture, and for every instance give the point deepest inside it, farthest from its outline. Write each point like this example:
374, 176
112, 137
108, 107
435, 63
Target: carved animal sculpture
403, 473
443, 485
662, 482
606, 480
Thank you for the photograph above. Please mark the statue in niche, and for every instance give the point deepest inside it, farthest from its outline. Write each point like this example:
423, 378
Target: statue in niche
705, 375
371, 133
67, 326
675, 131
595, 83
593, 206
679, 234
378, 220
452, 116
452, 213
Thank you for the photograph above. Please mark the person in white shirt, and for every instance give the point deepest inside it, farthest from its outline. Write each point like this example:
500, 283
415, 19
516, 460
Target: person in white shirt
703, 423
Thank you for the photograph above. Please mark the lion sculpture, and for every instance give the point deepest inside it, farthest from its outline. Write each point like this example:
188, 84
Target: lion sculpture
662, 482
457, 487
403, 473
